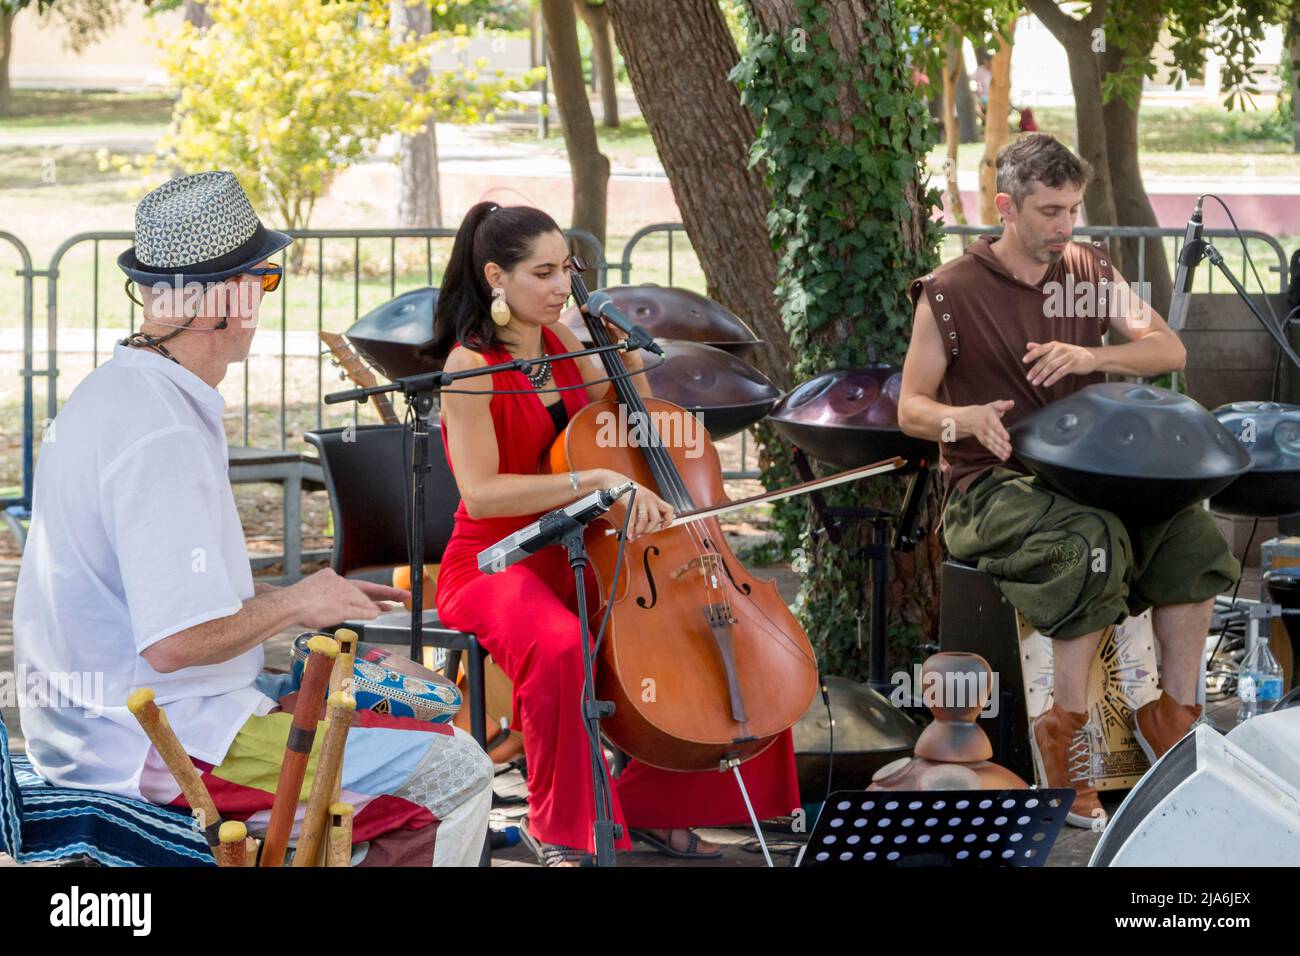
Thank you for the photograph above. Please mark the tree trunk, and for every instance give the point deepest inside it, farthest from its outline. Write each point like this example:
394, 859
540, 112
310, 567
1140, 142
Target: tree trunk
1132, 205
1294, 53
196, 12
419, 204
829, 605
703, 135
6, 47
967, 119
951, 132
590, 168
1076, 35
602, 54
995, 119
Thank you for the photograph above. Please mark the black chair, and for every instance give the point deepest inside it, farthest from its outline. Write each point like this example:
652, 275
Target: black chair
367, 472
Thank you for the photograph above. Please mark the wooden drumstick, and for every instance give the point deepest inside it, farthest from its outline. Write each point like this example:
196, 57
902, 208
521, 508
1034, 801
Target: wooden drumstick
341, 678
251, 846
341, 675
161, 735
340, 843
297, 748
312, 836
234, 844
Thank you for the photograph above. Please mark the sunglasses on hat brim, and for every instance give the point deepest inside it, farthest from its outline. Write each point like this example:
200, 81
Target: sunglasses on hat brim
270, 276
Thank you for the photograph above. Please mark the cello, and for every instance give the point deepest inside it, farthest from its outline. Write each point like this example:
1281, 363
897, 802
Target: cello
705, 664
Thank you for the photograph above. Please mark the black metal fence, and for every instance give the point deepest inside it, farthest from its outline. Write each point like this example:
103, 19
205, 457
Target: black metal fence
327, 295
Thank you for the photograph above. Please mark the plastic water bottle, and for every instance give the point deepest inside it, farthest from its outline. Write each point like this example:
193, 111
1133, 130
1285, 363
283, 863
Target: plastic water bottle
1259, 682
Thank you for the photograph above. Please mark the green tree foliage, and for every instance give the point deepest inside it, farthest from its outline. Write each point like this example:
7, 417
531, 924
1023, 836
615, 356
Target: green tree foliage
287, 93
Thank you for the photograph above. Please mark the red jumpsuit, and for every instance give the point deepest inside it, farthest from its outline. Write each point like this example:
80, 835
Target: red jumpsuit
524, 617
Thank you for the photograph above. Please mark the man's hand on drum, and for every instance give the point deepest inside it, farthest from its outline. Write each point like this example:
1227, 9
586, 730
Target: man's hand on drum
1052, 361
324, 598
985, 423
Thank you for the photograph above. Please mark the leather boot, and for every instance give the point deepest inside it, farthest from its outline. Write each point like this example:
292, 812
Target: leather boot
1162, 723
1064, 754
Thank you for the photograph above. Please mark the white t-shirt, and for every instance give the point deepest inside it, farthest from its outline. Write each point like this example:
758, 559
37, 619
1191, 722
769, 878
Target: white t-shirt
134, 537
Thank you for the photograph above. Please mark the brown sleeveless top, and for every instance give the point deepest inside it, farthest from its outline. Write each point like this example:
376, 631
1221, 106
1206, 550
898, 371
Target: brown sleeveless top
987, 317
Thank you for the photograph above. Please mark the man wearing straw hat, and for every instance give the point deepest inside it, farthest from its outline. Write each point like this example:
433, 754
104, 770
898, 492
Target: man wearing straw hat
136, 571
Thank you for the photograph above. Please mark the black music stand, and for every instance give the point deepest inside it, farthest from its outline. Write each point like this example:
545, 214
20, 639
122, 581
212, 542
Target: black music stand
951, 828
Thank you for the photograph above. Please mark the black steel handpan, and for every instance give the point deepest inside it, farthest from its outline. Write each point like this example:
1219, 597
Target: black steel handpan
1142, 452
849, 417
1270, 433
726, 392
869, 733
393, 336
667, 312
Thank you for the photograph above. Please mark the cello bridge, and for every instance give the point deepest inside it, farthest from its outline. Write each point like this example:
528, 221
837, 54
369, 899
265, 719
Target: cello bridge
708, 565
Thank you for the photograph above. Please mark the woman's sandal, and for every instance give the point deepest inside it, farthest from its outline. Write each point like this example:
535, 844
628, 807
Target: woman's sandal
552, 854
667, 849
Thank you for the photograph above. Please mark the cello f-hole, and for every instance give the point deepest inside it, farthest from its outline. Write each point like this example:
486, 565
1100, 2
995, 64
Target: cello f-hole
650, 579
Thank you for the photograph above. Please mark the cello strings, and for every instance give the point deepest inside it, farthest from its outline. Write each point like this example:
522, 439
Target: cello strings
666, 472
660, 462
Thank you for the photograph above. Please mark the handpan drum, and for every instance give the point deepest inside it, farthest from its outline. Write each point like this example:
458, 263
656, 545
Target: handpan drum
869, 733
1139, 451
392, 337
849, 417
667, 312
1270, 433
726, 392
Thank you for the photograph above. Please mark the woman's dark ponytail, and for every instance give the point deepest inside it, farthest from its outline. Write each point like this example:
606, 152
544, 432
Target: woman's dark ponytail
488, 233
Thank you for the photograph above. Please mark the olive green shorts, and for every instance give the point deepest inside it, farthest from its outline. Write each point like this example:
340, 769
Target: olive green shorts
1071, 569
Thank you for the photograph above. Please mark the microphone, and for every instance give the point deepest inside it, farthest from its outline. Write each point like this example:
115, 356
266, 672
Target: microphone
549, 528
602, 306
1192, 253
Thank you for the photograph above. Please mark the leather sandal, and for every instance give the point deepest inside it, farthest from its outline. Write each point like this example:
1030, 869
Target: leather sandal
552, 854
667, 849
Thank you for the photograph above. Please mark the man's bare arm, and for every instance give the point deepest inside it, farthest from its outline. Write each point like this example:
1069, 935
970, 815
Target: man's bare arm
226, 637
321, 600
922, 415
1148, 345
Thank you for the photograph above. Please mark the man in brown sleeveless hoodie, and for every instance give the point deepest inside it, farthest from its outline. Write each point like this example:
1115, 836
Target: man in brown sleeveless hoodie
1010, 326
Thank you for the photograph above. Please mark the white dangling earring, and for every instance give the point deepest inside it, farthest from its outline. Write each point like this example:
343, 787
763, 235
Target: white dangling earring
500, 308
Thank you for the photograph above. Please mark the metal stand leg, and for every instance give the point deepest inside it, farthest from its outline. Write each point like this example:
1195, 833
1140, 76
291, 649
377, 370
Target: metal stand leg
734, 765
293, 528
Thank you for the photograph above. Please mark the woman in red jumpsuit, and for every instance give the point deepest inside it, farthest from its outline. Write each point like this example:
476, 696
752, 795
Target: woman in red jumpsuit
502, 296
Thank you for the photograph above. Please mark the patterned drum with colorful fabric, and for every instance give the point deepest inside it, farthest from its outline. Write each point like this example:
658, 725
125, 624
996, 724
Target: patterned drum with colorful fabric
388, 683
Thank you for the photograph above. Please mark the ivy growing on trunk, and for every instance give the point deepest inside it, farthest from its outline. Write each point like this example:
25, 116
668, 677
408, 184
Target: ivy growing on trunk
843, 137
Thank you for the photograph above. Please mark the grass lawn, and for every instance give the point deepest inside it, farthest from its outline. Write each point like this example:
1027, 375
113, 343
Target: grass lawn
1177, 141
36, 109
631, 141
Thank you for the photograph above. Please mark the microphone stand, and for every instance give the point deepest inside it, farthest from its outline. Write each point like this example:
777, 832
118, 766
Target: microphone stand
605, 830
905, 538
1216, 259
